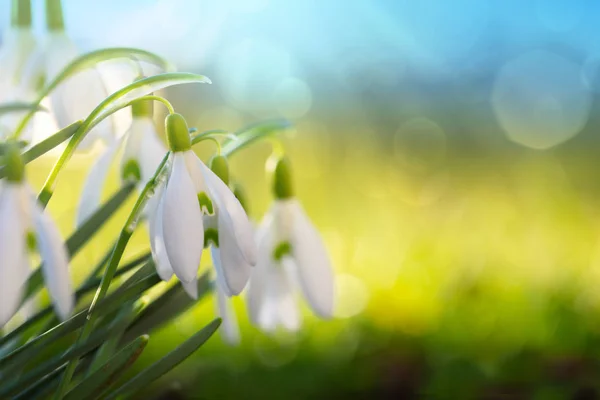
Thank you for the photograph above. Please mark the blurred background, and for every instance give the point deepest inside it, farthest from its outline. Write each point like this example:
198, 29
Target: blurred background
448, 153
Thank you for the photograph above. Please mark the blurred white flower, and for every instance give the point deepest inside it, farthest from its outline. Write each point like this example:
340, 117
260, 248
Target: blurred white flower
291, 255
21, 219
196, 208
143, 152
230, 331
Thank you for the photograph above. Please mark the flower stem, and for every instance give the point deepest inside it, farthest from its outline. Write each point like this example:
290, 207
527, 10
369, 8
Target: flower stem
54, 16
21, 13
109, 273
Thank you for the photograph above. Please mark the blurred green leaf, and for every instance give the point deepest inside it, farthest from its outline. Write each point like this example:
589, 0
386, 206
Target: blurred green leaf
105, 375
26, 352
166, 307
84, 233
167, 363
252, 133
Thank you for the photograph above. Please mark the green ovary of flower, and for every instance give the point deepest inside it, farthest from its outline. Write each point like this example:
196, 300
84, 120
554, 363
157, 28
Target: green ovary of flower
177, 132
14, 164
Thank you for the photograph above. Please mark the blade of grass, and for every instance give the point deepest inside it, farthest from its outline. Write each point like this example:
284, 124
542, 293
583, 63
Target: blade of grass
167, 363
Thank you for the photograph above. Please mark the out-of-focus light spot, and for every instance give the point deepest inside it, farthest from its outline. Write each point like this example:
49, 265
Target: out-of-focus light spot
560, 15
590, 73
420, 145
422, 191
220, 118
293, 98
351, 296
251, 71
276, 351
539, 99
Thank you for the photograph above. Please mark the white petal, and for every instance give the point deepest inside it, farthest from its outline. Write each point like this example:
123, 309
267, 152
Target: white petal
230, 331
13, 251
234, 216
157, 241
255, 294
216, 260
75, 98
192, 164
182, 222
235, 268
55, 263
191, 288
280, 294
91, 195
17, 47
315, 274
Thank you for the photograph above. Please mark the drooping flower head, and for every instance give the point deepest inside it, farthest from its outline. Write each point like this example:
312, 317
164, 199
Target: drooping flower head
25, 225
291, 255
142, 151
195, 207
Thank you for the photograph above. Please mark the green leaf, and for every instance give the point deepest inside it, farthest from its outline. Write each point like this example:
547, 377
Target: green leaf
252, 133
116, 300
167, 363
84, 233
47, 144
124, 317
166, 307
92, 386
95, 340
8, 108
89, 60
85, 289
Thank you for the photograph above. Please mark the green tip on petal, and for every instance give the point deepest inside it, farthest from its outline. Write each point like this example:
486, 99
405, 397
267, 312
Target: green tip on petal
211, 235
178, 136
13, 163
219, 165
131, 170
283, 187
206, 204
283, 249
240, 194
21, 13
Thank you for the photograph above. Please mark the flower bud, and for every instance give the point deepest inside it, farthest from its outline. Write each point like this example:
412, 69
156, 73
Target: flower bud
283, 187
13, 163
178, 136
219, 165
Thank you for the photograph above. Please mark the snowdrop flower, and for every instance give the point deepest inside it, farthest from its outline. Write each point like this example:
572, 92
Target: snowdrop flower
291, 255
195, 208
76, 97
17, 49
23, 221
143, 152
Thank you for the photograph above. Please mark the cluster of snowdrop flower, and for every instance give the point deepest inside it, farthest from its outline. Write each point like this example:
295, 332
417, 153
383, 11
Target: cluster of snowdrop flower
190, 207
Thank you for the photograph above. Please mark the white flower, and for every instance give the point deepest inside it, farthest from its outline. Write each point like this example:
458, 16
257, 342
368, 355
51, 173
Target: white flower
230, 332
196, 206
20, 215
75, 98
17, 49
291, 256
143, 152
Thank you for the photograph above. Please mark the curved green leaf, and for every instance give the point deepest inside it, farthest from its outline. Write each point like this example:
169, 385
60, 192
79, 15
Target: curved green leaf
8, 108
92, 386
167, 363
252, 133
89, 60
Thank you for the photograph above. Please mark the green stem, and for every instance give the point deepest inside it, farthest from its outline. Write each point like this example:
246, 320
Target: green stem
109, 273
54, 16
95, 117
21, 13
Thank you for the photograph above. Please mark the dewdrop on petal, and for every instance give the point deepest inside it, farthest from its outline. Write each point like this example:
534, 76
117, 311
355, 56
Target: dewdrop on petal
177, 227
21, 217
290, 254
